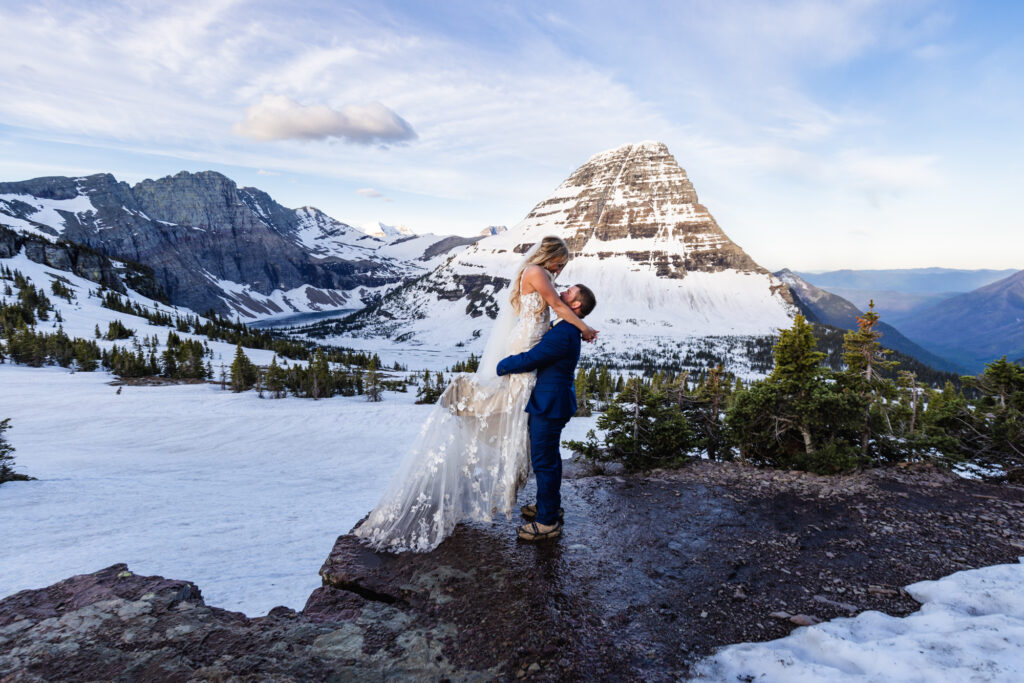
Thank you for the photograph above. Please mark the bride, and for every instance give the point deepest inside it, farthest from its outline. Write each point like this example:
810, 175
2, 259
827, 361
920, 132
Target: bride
472, 454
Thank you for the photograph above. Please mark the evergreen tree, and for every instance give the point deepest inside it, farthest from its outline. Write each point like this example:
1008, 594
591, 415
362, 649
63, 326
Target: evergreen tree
644, 428
797, 417
705, 408
7, 472
992, 435
866, 361
584, 407
243, 372
321, 380
275, 379
373, 388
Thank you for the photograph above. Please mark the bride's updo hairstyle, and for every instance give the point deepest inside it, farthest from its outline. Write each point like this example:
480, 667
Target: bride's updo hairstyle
551, 248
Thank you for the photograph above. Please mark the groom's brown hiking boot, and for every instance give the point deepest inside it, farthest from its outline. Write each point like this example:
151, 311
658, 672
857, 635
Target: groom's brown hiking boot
530, 512
532, 532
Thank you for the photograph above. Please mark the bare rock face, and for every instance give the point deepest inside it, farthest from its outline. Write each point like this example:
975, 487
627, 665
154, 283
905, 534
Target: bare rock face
212, 244
661, 267
81, 261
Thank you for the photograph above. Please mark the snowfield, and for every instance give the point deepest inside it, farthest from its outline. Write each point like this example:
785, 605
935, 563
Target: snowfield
243, 496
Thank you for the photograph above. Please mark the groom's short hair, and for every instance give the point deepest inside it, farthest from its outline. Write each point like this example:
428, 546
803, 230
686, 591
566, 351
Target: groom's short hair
587, 300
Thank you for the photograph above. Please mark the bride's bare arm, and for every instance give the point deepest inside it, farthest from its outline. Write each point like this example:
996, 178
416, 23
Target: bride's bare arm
538, 281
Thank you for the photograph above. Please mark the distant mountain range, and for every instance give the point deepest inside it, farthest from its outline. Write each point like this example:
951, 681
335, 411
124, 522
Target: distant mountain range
672, 287
214, 245
968, 328
974, 328
824, 307
898, 293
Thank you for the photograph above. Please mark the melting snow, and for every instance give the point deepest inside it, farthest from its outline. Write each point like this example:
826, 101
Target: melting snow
969, 628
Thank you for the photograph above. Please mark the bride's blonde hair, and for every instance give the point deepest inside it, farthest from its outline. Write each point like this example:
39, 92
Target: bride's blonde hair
550, 248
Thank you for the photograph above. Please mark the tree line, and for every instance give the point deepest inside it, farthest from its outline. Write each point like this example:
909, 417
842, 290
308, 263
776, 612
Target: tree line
805, 415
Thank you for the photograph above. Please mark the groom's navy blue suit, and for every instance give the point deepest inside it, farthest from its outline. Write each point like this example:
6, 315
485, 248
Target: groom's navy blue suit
552, 403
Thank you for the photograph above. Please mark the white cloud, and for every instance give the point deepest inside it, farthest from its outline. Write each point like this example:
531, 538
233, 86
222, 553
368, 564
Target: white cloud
264, 171
369, 193
278, 118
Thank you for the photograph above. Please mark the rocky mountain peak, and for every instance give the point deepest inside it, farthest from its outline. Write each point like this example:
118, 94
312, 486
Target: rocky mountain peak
635, 201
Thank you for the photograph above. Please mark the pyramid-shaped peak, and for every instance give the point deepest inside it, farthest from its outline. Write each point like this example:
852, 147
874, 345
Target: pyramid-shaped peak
635, 202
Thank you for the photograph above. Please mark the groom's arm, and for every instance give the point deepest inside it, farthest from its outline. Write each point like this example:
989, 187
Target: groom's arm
549, 349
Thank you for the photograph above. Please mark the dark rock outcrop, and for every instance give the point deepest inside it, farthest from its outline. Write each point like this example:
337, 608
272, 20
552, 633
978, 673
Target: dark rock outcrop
194, 229
82, 261
653, 573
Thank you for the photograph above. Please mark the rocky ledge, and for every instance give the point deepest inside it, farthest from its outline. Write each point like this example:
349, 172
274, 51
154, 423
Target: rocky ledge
653, 573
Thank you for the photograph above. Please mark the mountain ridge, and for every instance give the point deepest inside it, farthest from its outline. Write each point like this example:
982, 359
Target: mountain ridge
974, 328
215, 245
827, 308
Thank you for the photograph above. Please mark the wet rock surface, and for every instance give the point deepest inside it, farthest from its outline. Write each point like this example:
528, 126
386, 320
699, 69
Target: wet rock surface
652, 573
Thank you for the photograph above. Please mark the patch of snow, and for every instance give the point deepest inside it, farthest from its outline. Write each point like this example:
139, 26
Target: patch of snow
970, 628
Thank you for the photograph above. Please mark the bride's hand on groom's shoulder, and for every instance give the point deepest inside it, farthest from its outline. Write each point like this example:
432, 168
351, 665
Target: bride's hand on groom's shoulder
589, 334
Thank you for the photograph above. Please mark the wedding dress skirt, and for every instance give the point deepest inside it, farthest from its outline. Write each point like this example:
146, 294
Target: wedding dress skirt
471, 456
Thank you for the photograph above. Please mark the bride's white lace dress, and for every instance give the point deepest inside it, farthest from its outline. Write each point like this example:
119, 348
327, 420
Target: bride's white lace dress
471, 456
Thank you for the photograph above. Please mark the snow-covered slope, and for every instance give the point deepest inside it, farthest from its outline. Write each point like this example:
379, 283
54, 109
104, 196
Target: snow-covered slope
84, 313
662, 269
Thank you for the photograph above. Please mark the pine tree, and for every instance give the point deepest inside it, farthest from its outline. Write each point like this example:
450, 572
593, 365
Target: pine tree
7, 472
865, 364
584, 407
704, 410
644, 428
321, 379
243, 372
275, 379
797, 417
373, 388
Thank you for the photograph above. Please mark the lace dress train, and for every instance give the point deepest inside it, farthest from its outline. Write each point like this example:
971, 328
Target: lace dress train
471, 456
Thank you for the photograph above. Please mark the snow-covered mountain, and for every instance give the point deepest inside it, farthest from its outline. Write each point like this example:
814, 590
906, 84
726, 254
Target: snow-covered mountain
214, 245
663, 271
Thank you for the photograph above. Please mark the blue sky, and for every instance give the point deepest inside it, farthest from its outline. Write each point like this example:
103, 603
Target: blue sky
821, 135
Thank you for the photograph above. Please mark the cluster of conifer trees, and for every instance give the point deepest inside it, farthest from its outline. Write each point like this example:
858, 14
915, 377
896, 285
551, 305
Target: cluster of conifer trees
315, 380
807, 416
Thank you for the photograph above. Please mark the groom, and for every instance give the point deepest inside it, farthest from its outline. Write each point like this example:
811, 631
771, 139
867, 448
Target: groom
551, 405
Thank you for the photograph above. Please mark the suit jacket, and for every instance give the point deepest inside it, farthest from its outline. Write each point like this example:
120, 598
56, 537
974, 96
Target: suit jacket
554, 358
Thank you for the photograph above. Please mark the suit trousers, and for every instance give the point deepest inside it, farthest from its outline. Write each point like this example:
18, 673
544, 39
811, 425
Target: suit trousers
545, 436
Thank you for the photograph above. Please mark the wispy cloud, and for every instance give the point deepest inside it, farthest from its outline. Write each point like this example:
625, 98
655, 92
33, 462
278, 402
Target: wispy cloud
369, 193
278, 118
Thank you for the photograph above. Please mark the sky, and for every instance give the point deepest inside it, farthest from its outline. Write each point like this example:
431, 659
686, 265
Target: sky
821, 135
